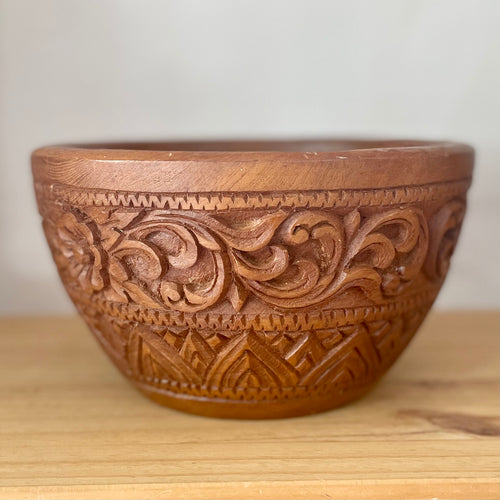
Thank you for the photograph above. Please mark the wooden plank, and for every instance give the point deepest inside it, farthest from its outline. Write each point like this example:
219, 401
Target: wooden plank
72, 427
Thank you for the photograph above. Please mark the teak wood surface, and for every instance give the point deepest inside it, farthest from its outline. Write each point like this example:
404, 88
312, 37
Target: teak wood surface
253, 279
71, 427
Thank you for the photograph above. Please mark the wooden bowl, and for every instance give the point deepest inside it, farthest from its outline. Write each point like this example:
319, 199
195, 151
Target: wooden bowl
253, 279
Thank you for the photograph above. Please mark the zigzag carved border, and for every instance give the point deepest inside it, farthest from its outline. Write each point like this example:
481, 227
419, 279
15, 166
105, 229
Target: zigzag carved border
248, 200
329, 318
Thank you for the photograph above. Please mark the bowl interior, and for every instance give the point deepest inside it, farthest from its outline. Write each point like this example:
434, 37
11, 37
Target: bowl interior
304, 145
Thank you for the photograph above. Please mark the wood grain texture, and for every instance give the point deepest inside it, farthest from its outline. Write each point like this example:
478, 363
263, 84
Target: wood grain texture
71, 427
241, 166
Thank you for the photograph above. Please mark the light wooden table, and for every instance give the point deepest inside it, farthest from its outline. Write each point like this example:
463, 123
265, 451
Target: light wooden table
72, 427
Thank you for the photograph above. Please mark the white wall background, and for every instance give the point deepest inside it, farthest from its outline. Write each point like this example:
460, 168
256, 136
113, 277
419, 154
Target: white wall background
86, 70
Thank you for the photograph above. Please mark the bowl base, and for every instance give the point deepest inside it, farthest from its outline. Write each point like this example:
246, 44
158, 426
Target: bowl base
252, 410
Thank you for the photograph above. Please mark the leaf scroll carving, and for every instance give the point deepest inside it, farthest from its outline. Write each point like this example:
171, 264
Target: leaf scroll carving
189, 261
323, 254
445, 227
386, 251
177, 259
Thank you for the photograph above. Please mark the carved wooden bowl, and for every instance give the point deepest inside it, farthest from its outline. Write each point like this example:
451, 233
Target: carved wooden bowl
253, 279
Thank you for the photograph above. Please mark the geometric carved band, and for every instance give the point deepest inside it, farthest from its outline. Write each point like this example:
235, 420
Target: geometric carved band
234, 200
255, 365
325, 318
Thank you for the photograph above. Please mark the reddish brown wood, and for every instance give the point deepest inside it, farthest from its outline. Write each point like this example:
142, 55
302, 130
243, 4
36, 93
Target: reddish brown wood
253, 279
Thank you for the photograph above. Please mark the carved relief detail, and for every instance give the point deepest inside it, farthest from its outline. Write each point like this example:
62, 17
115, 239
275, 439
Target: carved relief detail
186, 261
257, 364
263, 321
272, 303
218, 201
78, 252
444, 226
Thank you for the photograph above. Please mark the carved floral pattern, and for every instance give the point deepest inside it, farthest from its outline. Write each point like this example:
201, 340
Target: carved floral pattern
190, 261
76, 252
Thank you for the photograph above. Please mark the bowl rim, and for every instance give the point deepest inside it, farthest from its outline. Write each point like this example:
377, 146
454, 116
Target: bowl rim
314, 164
250, 149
